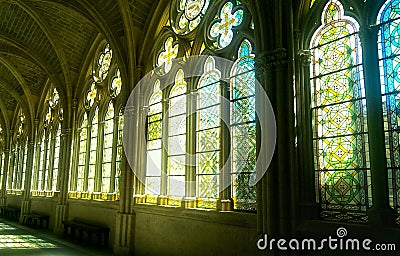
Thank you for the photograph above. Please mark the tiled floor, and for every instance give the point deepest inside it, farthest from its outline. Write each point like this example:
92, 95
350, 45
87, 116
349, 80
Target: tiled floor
16, 239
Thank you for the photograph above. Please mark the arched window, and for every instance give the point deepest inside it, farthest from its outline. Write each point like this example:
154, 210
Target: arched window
45, 175
108, 148
93, 151
208, 133
154, 136
388, 20
177, 137
16, 177
339, 118
83, 140
95, 175
187, 145
243, 128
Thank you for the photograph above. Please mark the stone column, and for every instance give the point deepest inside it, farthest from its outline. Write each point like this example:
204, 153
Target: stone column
26, 203
380, 214
64, 166
3, 195
306, 175
275, 191
125, 220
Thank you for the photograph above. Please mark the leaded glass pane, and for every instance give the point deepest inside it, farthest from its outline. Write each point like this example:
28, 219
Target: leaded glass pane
243, 128
389, 60
177, 137
189, 15
82, 155
93, 151
108, 148
168, 54
100, 71
208, 133
154, 129
339, 118
229, 17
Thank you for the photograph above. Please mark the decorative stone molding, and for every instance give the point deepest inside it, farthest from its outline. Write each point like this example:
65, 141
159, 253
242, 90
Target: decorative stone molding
304, 57
271, 60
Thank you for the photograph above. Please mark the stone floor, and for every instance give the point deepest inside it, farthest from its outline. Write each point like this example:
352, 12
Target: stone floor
16, 239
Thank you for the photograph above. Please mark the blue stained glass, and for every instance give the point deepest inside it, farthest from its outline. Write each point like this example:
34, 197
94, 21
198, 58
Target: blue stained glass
243, 135
389, 62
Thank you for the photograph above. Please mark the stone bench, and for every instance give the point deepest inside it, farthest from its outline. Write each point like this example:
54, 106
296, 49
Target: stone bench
77, 229
36, 219
10, 212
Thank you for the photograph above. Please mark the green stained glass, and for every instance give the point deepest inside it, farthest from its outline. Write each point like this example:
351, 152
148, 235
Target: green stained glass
168, 54
339, 118
91, 95
103, 64
154, 134
189, 14
82, 154
222, 29
208, 132
389, 63
116, 84
108, 148
177, 136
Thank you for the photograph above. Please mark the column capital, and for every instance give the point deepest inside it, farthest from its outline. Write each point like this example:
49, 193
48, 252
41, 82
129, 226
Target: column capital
368, 32
66, 132
271, 60
304, 57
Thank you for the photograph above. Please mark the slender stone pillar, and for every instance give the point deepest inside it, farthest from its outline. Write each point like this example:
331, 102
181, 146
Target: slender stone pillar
3, 197
26, 203
380, 214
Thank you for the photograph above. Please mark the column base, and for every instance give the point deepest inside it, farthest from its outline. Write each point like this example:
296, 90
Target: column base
124, 234
381, 217
61, 214
309, 211
25, 208
225, 204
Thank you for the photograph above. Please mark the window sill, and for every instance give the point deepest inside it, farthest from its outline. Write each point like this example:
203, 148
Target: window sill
95, 196
37, 193
242, 219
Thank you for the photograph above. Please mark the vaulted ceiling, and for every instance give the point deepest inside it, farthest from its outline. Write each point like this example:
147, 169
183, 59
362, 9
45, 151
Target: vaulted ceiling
44, 41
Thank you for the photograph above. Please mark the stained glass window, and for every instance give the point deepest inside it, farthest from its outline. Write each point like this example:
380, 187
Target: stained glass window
189, 15
208, 134
108, 148
154, 137
243, 128
55, 186
42, 164
116, 85
82, 154
120, 151
177, 137
229, 18
93, 151
100, 70
168, 54
48, 159
339, 118
389, 61
91, 96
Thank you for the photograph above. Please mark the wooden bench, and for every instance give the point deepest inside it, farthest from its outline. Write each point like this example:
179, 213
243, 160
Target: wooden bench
36, 219
80, 227
10, 212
